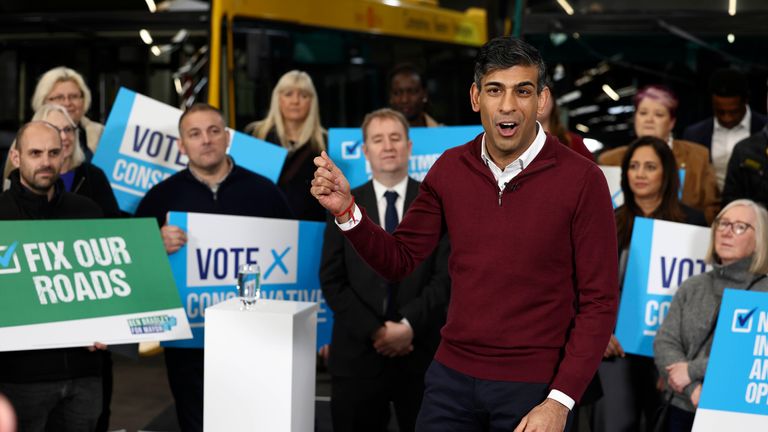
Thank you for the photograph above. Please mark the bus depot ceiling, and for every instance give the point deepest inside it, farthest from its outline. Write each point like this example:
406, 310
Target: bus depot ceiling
587, 43
695, 17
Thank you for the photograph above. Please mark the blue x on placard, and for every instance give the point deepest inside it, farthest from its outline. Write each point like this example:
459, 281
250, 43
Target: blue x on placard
278, 262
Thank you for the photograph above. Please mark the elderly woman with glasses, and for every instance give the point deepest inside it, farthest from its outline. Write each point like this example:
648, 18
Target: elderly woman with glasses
78, 175
738, 250
64, 86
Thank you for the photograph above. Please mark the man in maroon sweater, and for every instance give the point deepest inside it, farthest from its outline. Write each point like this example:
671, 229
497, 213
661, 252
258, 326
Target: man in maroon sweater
533, 257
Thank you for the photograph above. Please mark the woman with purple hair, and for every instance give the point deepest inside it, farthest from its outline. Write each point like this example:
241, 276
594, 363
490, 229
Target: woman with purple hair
655, 115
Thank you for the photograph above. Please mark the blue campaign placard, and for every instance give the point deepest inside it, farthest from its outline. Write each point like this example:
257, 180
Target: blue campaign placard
139, 148
662, 255
737, 374
205, 269
345, 147
735, 392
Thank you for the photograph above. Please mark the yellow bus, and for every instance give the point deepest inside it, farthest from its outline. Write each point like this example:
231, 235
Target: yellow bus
252, 42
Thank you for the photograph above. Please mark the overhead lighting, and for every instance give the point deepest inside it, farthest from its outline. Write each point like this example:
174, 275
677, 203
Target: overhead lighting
156, 50
593, 145
611, 92
589, 109
576, 35
621, 109
731, 38
567, 7
151, 5
177, 84
558, 38
582, 128
559, 72
731, 7
569, 97
145, 36
180, 36
627, 91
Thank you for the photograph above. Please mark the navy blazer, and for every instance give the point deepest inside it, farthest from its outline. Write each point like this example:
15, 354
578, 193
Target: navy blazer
356, 295
701, 132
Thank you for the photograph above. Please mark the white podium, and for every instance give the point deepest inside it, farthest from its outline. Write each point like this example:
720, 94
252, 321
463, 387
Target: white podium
260, 366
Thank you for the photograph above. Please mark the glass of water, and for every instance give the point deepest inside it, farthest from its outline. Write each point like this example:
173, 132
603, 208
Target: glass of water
248, 284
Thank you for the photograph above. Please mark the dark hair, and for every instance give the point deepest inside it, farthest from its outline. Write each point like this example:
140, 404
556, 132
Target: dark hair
198, 107
670, 208
406, 69
729, 83
505, 52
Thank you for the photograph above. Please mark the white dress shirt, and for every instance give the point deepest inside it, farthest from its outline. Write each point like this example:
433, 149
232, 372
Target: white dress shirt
381, 201
504, 176
723, 142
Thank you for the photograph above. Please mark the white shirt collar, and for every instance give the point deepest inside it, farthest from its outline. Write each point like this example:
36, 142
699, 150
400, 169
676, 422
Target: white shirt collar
528, 155
400, 188
745, 122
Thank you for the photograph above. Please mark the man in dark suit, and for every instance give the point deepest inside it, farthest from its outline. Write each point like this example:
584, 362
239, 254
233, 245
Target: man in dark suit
732, 122
384, 334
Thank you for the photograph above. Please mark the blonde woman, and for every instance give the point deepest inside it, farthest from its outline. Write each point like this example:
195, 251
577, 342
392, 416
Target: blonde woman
64, 86
293, 122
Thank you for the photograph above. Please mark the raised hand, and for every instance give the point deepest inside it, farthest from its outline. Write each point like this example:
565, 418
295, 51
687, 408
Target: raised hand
330, 187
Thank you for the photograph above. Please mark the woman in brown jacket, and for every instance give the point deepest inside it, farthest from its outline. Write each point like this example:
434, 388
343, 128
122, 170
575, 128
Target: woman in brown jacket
655, 110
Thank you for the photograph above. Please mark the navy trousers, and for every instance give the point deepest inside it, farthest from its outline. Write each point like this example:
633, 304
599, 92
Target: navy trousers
460, 403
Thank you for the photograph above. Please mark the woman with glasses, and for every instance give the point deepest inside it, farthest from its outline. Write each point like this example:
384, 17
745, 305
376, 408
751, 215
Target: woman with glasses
650, 183
293, 122
738, 251
64, 86
78, 175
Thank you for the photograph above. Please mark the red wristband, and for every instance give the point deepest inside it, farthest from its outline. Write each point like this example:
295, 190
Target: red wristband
350, 211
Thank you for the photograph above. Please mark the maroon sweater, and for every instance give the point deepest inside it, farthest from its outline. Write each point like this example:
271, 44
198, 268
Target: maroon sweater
533, 269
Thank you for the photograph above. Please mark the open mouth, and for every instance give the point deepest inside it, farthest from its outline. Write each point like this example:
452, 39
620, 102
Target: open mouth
507, 129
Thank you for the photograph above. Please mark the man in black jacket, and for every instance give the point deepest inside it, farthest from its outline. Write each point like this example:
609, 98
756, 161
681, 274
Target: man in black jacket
732, 121
52, 389
747, 175
384, 334
211, 183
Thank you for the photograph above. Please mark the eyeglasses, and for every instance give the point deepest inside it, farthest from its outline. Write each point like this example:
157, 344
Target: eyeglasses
74, 97
69, 130
737, 228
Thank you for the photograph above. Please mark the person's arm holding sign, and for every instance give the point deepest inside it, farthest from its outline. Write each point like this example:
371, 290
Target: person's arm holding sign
174, 238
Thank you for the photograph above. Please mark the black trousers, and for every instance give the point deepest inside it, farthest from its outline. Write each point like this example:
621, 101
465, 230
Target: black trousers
362, 404
107, 382
185, 376
460, 403
71, 405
